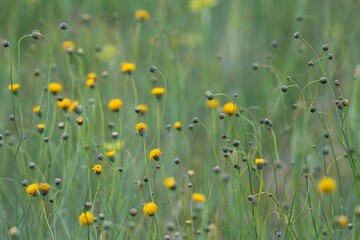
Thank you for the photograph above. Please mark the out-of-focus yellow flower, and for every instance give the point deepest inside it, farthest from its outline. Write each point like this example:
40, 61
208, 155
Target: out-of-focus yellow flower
107, 52
177, 125
64, 104
117, 145
213, 103
326, 185
36, 110
141, 108
197, 6
69, 46
127, 67
73, 105
92, 75
142, 15
44, 188
40, 127
14, 87
170, 183
158, 92
198, 197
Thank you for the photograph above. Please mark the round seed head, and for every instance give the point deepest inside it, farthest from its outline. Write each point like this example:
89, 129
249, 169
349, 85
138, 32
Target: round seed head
63, 26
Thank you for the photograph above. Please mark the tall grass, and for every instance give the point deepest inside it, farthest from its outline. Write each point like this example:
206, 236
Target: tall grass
266, 97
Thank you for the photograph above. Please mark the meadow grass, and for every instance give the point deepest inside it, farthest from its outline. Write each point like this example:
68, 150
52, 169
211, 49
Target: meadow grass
196, 119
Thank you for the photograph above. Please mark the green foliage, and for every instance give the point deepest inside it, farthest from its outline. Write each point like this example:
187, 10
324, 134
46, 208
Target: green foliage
261, 165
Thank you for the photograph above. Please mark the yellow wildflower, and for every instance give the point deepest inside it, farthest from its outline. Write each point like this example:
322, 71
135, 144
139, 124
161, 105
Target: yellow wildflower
44, 188
141, 108
90, 83
326, 185
342, 221
32, 189
86, 218
213, 103
230, 108
64, 104
142, 15
14, 87
69, 46
55, 88
158, 92
197, 6
36, 109
127, 67
149, 209
115, 104
140, 128
198, 197
177, 125
92, 75
170, 183
155, 154
97, 169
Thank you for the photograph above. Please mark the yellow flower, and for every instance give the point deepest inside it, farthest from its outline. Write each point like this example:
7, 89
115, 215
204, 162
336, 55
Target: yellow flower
140, 128
111, 154
177, 125
64, 104
73, 105
260, 162
149, 209
113, 145
158, 92
155, 154
90, 83
115, 104
142, 15
97, 169
213, 103
92, 75
36, 110
342, 221
107, 52
69, 46
44, 188
86, 218
127, 67
141, 108
230, 108
198, 197
170, 183
32, 189
40, 127
197, 6
55, 87
327, 185
80, 121
14, 87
